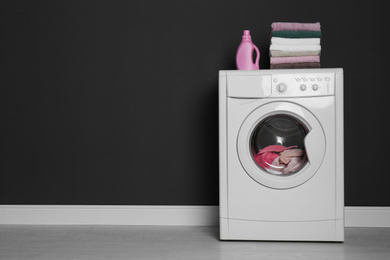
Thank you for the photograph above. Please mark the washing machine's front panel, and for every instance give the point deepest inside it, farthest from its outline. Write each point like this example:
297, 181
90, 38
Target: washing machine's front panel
255, 192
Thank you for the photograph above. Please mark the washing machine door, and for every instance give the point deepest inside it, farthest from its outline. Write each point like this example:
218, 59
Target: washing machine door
281, 145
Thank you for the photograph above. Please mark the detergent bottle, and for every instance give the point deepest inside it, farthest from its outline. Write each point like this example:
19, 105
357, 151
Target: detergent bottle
244, 56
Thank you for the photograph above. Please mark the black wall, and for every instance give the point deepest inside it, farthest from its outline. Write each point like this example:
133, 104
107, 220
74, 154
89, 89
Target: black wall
116, 102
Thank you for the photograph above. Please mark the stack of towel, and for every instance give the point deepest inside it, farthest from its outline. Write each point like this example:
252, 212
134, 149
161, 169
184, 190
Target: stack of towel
295, 45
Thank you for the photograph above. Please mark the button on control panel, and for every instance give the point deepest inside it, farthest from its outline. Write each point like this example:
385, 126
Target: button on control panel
302, 85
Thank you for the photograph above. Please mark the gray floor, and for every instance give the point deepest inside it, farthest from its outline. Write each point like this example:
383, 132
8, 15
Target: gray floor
170, 242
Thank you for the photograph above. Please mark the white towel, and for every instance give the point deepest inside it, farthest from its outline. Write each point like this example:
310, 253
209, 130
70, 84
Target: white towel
295, 47
293, 53
295, 41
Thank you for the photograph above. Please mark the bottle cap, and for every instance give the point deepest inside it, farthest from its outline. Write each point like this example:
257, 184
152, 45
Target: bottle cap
247, 34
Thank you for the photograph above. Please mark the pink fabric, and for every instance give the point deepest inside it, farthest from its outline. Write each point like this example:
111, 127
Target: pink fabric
274, 148
279, 26
266, 156
287, 155
294, 164
265, 159
288, 161
294, 59
276, 167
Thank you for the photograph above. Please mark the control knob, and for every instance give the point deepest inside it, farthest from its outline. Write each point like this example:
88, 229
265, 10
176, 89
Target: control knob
315, 87
281, 87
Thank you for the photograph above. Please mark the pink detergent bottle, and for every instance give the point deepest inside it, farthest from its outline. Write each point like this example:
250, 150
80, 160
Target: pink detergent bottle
244, 56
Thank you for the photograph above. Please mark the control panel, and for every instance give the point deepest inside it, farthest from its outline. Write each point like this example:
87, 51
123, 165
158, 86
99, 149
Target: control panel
302, 85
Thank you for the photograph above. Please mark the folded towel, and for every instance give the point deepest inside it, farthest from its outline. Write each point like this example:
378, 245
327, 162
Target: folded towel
295, 47
277, 53
296, 41
296, 26
305, 65
299, 59
297, 34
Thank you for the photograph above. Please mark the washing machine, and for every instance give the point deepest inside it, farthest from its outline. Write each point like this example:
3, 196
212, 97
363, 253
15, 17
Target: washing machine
281, 155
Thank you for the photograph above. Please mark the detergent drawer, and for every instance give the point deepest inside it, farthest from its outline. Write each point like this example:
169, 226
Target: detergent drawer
255, 86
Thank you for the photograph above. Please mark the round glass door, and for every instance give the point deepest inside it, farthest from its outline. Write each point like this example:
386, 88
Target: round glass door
281, 145
277, 144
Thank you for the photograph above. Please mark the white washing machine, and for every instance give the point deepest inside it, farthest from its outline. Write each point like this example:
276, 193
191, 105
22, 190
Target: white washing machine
281, 155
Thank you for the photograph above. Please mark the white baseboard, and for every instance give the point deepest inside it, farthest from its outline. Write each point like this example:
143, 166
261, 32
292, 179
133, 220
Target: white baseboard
154, 215
109, 215
367, 216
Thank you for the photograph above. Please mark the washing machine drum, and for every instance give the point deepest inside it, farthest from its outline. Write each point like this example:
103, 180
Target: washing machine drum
278, 146
282, 130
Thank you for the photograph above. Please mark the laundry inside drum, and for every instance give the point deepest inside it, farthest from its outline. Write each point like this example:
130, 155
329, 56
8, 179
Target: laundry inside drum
277, 144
